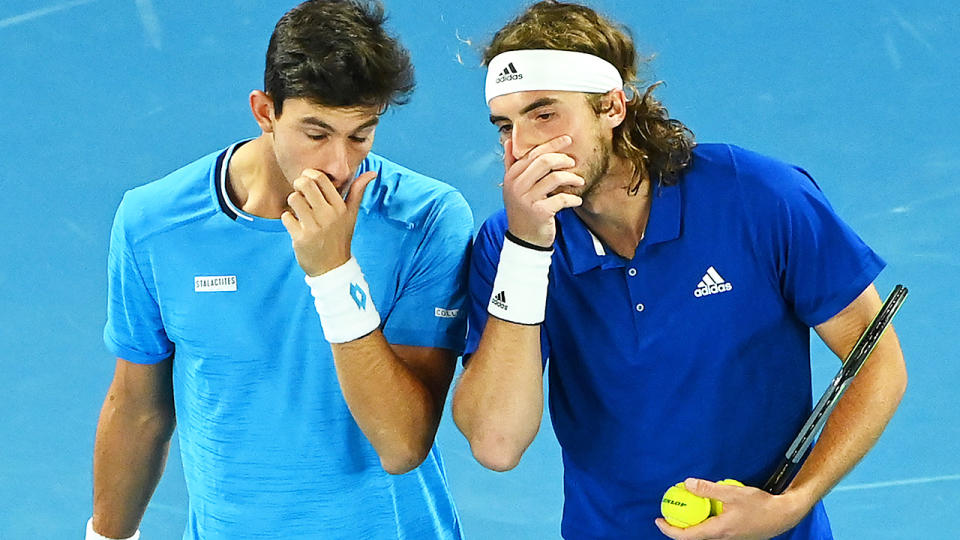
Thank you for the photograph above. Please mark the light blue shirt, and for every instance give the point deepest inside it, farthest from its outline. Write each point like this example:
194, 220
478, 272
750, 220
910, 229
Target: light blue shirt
269, 448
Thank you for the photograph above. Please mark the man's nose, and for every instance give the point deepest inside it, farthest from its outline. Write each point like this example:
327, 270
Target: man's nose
336, 163
522, 143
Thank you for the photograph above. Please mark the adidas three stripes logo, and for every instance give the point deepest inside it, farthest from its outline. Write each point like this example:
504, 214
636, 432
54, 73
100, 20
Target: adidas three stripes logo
510, 73
500, 300
712, 283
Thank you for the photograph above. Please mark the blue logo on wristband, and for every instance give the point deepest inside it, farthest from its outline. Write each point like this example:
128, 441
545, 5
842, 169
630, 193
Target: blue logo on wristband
358, 296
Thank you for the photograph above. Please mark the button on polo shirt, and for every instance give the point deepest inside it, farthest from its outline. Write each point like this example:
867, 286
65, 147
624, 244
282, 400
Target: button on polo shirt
585, 253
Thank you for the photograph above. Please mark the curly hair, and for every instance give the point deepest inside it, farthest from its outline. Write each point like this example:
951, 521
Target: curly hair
338, 54
659, 147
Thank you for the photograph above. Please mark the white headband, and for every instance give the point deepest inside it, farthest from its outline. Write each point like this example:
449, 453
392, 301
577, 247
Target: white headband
550, 69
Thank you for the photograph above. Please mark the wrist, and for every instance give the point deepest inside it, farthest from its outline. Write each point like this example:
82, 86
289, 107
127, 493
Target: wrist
796, 504
94, 535
519, 292
343, 302
540, 245
328, 266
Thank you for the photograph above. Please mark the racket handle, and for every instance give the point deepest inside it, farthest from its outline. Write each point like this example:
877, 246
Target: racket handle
778, 480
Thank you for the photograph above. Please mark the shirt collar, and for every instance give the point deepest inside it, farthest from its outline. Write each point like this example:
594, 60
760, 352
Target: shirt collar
585, 251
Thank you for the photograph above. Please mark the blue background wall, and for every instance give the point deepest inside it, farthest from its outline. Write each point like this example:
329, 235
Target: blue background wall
102, 95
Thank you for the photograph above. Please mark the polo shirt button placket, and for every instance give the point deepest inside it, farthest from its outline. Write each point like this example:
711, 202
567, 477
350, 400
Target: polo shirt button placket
632, 272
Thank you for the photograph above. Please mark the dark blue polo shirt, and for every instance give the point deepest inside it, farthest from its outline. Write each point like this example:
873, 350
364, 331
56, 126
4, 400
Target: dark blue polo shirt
692, 358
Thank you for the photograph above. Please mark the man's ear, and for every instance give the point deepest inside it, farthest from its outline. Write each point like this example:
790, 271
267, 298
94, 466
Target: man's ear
614, 109
261, 105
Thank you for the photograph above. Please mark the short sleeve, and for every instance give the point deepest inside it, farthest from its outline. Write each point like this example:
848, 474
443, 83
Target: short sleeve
429, 310
820, 263
134, 329
484, 260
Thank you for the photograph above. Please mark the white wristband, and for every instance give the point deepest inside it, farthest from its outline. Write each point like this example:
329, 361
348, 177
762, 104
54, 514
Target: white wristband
342, 298
520, 289
94, 535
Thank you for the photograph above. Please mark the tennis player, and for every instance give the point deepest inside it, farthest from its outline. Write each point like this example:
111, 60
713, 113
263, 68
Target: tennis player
293, 303
672, 287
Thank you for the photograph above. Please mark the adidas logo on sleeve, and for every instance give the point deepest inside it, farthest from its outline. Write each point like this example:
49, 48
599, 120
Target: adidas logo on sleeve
712, 283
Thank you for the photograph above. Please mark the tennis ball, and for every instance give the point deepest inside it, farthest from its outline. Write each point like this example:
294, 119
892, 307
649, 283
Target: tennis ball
716, 507
683, 509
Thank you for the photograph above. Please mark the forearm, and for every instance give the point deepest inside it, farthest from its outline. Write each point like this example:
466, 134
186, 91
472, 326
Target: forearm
394, 407
498, 403
855, 424
129, 456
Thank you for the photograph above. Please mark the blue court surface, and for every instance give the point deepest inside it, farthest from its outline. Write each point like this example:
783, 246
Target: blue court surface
99, 96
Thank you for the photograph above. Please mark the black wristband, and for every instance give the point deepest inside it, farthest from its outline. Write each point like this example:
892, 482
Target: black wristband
523, 243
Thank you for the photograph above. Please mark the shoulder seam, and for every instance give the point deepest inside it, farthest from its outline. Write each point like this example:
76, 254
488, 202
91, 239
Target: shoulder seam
173, 226
752, 230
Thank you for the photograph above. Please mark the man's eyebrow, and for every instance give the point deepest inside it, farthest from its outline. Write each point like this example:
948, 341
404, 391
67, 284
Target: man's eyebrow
323, 125
369, 123
317, 122
542, 102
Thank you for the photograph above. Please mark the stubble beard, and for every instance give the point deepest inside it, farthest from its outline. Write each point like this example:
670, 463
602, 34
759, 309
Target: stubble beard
597, 169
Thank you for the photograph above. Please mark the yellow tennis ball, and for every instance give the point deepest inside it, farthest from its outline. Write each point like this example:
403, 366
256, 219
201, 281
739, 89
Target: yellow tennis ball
683, 509
716, 507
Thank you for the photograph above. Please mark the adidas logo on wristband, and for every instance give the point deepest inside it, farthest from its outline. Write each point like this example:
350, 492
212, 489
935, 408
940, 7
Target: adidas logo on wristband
500, 300
524, 272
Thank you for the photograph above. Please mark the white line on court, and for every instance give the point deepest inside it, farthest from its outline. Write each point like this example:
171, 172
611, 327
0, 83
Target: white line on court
151, 23
17, 19
892, 51
906, 482
912, 30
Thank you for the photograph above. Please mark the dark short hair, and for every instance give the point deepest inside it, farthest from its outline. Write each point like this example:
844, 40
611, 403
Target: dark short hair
659, 147
337, 53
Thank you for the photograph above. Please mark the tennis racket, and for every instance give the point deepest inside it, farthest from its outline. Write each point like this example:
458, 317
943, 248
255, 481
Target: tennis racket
797, 450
